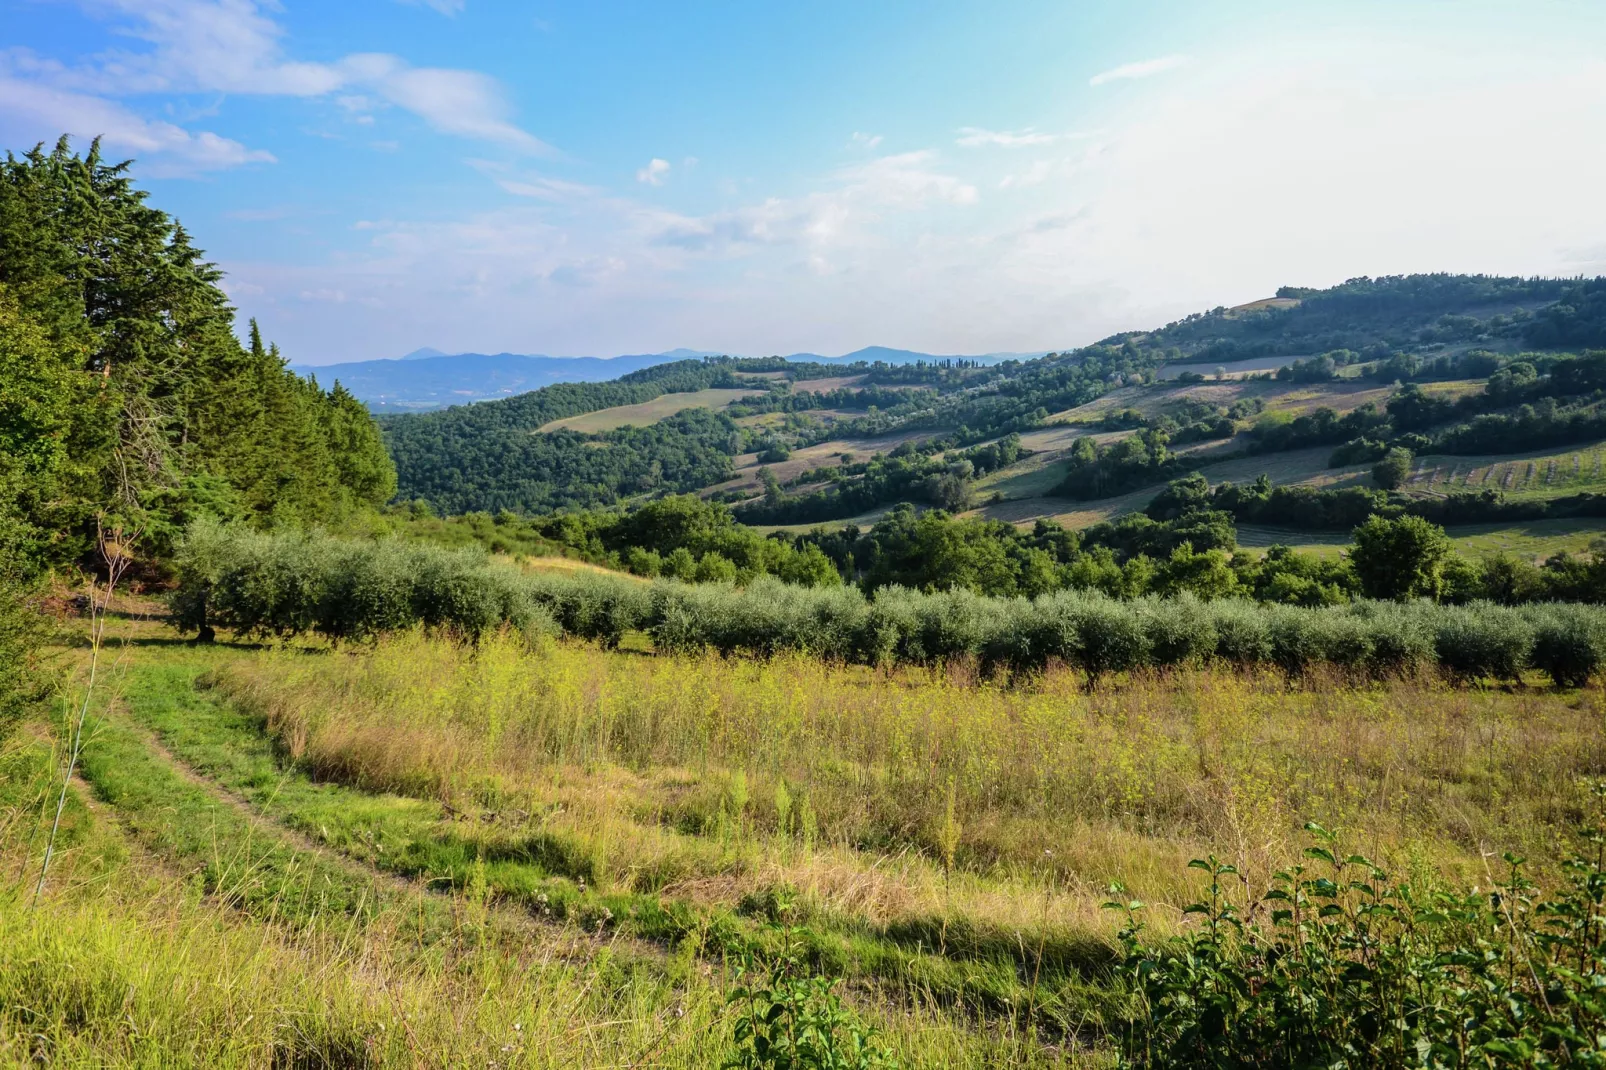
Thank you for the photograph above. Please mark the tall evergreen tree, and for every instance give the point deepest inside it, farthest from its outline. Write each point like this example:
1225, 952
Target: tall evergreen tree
125, 396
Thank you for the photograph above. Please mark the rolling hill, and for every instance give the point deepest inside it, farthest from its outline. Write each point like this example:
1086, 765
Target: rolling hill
742, 421
428, 379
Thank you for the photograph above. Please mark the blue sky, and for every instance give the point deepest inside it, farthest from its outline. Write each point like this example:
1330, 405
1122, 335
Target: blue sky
596, 178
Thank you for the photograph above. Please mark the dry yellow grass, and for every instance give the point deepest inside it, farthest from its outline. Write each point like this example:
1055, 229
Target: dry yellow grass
675, 769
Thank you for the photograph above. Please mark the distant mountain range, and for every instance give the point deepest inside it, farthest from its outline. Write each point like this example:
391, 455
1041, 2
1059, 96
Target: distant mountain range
429, 379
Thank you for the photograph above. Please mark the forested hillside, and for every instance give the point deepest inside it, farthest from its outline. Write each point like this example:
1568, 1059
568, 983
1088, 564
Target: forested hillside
938, 421
126, 400
1373, 316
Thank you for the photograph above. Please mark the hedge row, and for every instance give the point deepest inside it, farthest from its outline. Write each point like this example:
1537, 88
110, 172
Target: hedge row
285, 584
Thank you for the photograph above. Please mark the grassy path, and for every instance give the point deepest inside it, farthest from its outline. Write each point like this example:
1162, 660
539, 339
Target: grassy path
303, 847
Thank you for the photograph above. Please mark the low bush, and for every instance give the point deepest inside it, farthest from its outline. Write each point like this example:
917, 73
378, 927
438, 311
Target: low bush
1338, 965
1569, 642
25, 678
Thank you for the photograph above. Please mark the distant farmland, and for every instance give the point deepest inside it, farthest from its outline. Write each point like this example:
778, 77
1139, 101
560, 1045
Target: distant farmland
649, 412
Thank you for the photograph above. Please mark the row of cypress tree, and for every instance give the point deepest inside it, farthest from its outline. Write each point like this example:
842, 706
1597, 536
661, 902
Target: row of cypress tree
127, 401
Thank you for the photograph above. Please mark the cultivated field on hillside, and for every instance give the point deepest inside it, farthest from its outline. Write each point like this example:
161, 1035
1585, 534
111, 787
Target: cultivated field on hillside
648, 412
1542, 474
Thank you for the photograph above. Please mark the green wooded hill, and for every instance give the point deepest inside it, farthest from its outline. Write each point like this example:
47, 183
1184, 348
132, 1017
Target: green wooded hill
932, 418
126, 399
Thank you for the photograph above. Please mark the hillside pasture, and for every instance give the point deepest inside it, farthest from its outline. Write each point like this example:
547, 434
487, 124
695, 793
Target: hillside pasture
820, 455
825, 386
647, 412
1293, 398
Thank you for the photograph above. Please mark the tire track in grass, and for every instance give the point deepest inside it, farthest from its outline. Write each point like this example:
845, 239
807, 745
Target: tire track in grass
228, 750
253, 859
231, 856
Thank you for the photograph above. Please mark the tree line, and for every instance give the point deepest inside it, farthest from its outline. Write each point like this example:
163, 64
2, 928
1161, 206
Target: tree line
127, 402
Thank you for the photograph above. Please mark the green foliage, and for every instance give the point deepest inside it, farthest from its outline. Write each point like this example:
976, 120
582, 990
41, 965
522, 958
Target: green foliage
1483, 640
1393, 468
290, 583
1401, 558
1568, 643
125, 397
1101, 471
787, 1017
1340, 965
26, 677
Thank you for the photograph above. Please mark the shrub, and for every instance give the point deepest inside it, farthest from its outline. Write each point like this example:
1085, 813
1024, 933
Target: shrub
1111, 637
787, 1017
286, 584
1483, 639
1569, 642
25, 678
1243, 637
1181, 630
1393, 469
1402, 635
1338, 965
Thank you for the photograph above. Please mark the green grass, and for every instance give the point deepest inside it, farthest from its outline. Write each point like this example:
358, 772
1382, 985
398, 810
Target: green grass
246, 947
550, 874
1542, 474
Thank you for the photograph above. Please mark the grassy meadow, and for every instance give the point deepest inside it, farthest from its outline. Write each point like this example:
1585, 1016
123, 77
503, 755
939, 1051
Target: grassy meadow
414, 851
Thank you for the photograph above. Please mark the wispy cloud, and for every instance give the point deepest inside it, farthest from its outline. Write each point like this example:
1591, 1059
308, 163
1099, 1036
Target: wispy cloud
975, 136
235, 47
865, 141
826, 220
1142, 69
56, 110
653, 174
546, 189
445, 7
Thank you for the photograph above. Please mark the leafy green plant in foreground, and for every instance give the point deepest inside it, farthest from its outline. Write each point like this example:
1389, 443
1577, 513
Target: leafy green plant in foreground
789, 1018
1338, 965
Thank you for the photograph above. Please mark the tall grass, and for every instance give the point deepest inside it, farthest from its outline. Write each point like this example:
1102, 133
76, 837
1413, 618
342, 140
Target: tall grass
639, 757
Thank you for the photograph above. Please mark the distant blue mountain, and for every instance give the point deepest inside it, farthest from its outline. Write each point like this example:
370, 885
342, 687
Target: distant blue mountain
429, 379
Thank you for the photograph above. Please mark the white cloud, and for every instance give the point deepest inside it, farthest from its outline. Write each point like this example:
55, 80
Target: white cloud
653, 174
43, 112
865, 141
825, 221
1142, 69
1035, 175
232, 46
465, 103
1299, 162
546, 189
974, 136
